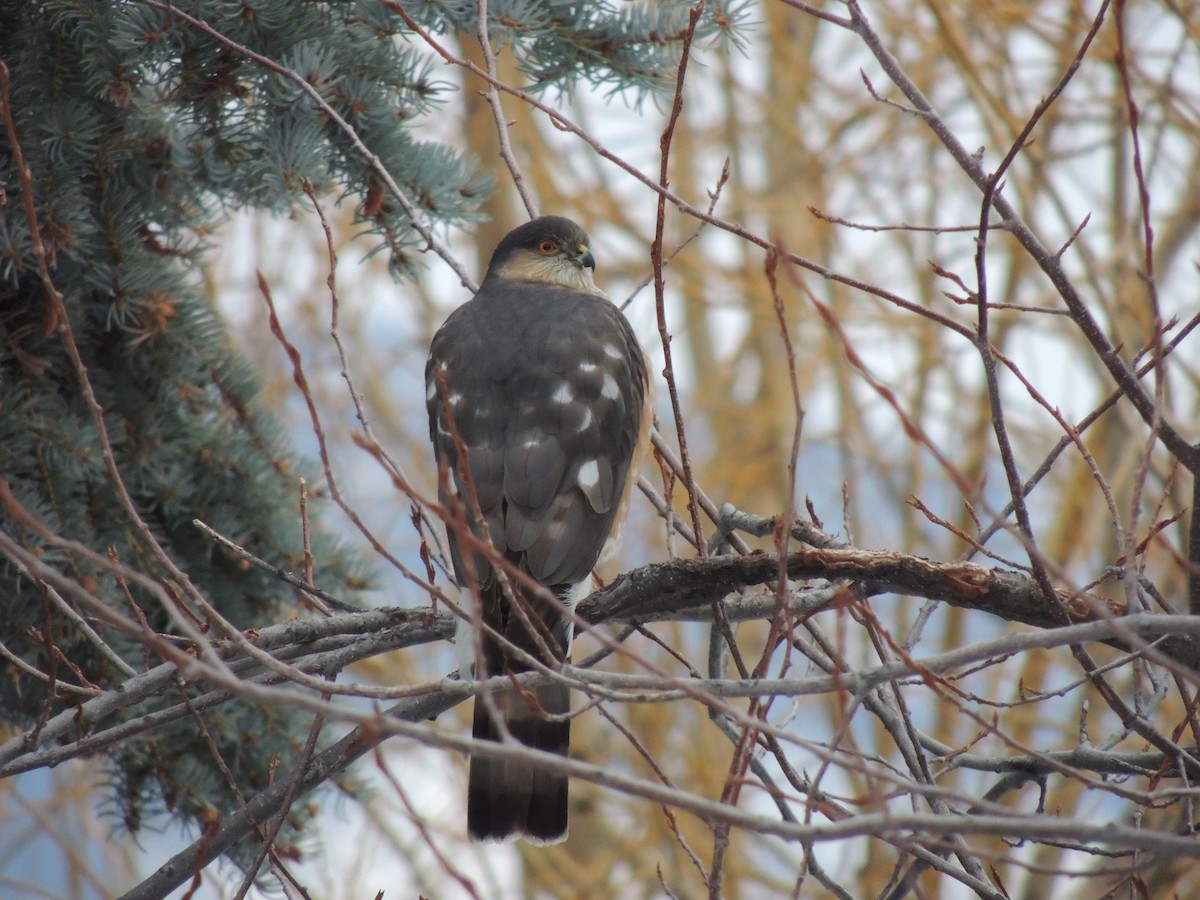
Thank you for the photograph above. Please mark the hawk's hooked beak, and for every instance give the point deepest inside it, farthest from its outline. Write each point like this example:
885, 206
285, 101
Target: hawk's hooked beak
585, 258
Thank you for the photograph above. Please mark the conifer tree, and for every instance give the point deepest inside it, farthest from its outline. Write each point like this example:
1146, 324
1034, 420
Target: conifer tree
130, 131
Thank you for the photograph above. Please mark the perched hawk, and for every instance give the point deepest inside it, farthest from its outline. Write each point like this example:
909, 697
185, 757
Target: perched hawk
540, 380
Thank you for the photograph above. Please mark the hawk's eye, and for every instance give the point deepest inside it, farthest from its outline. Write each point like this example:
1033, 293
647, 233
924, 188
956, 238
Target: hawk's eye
547, 247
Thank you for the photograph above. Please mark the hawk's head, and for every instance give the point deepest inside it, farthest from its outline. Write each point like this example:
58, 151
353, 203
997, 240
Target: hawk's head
548, 250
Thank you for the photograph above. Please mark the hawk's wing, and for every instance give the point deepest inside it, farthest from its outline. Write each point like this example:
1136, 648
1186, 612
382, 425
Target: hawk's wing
546, 387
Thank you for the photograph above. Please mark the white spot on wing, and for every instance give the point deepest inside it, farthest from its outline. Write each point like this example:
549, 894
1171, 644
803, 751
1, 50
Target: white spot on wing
454, 399
587, 368
587, 420
430, 390
613, 352
562, 394
610, 389
589, 474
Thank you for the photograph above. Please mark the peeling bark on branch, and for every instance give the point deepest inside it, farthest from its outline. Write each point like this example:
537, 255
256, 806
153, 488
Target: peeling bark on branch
664, 590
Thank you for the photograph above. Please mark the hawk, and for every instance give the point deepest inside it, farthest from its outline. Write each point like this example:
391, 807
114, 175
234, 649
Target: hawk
539, 411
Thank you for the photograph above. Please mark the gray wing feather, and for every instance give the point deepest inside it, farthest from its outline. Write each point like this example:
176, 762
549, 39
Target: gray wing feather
549, 386
533, 471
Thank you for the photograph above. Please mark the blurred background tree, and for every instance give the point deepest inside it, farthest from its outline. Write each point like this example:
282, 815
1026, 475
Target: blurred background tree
161, 202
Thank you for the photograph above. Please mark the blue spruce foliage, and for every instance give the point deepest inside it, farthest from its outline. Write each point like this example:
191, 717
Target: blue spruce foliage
141, 132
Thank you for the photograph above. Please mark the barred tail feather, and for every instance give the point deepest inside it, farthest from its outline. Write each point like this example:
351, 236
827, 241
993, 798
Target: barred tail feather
510, 798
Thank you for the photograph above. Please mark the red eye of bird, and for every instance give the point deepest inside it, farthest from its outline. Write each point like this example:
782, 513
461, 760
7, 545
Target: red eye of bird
547, 247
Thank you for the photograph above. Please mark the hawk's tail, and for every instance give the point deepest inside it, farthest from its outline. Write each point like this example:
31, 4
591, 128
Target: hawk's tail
509, 797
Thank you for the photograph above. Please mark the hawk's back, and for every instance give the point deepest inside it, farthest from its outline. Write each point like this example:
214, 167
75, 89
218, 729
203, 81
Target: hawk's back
547, 388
